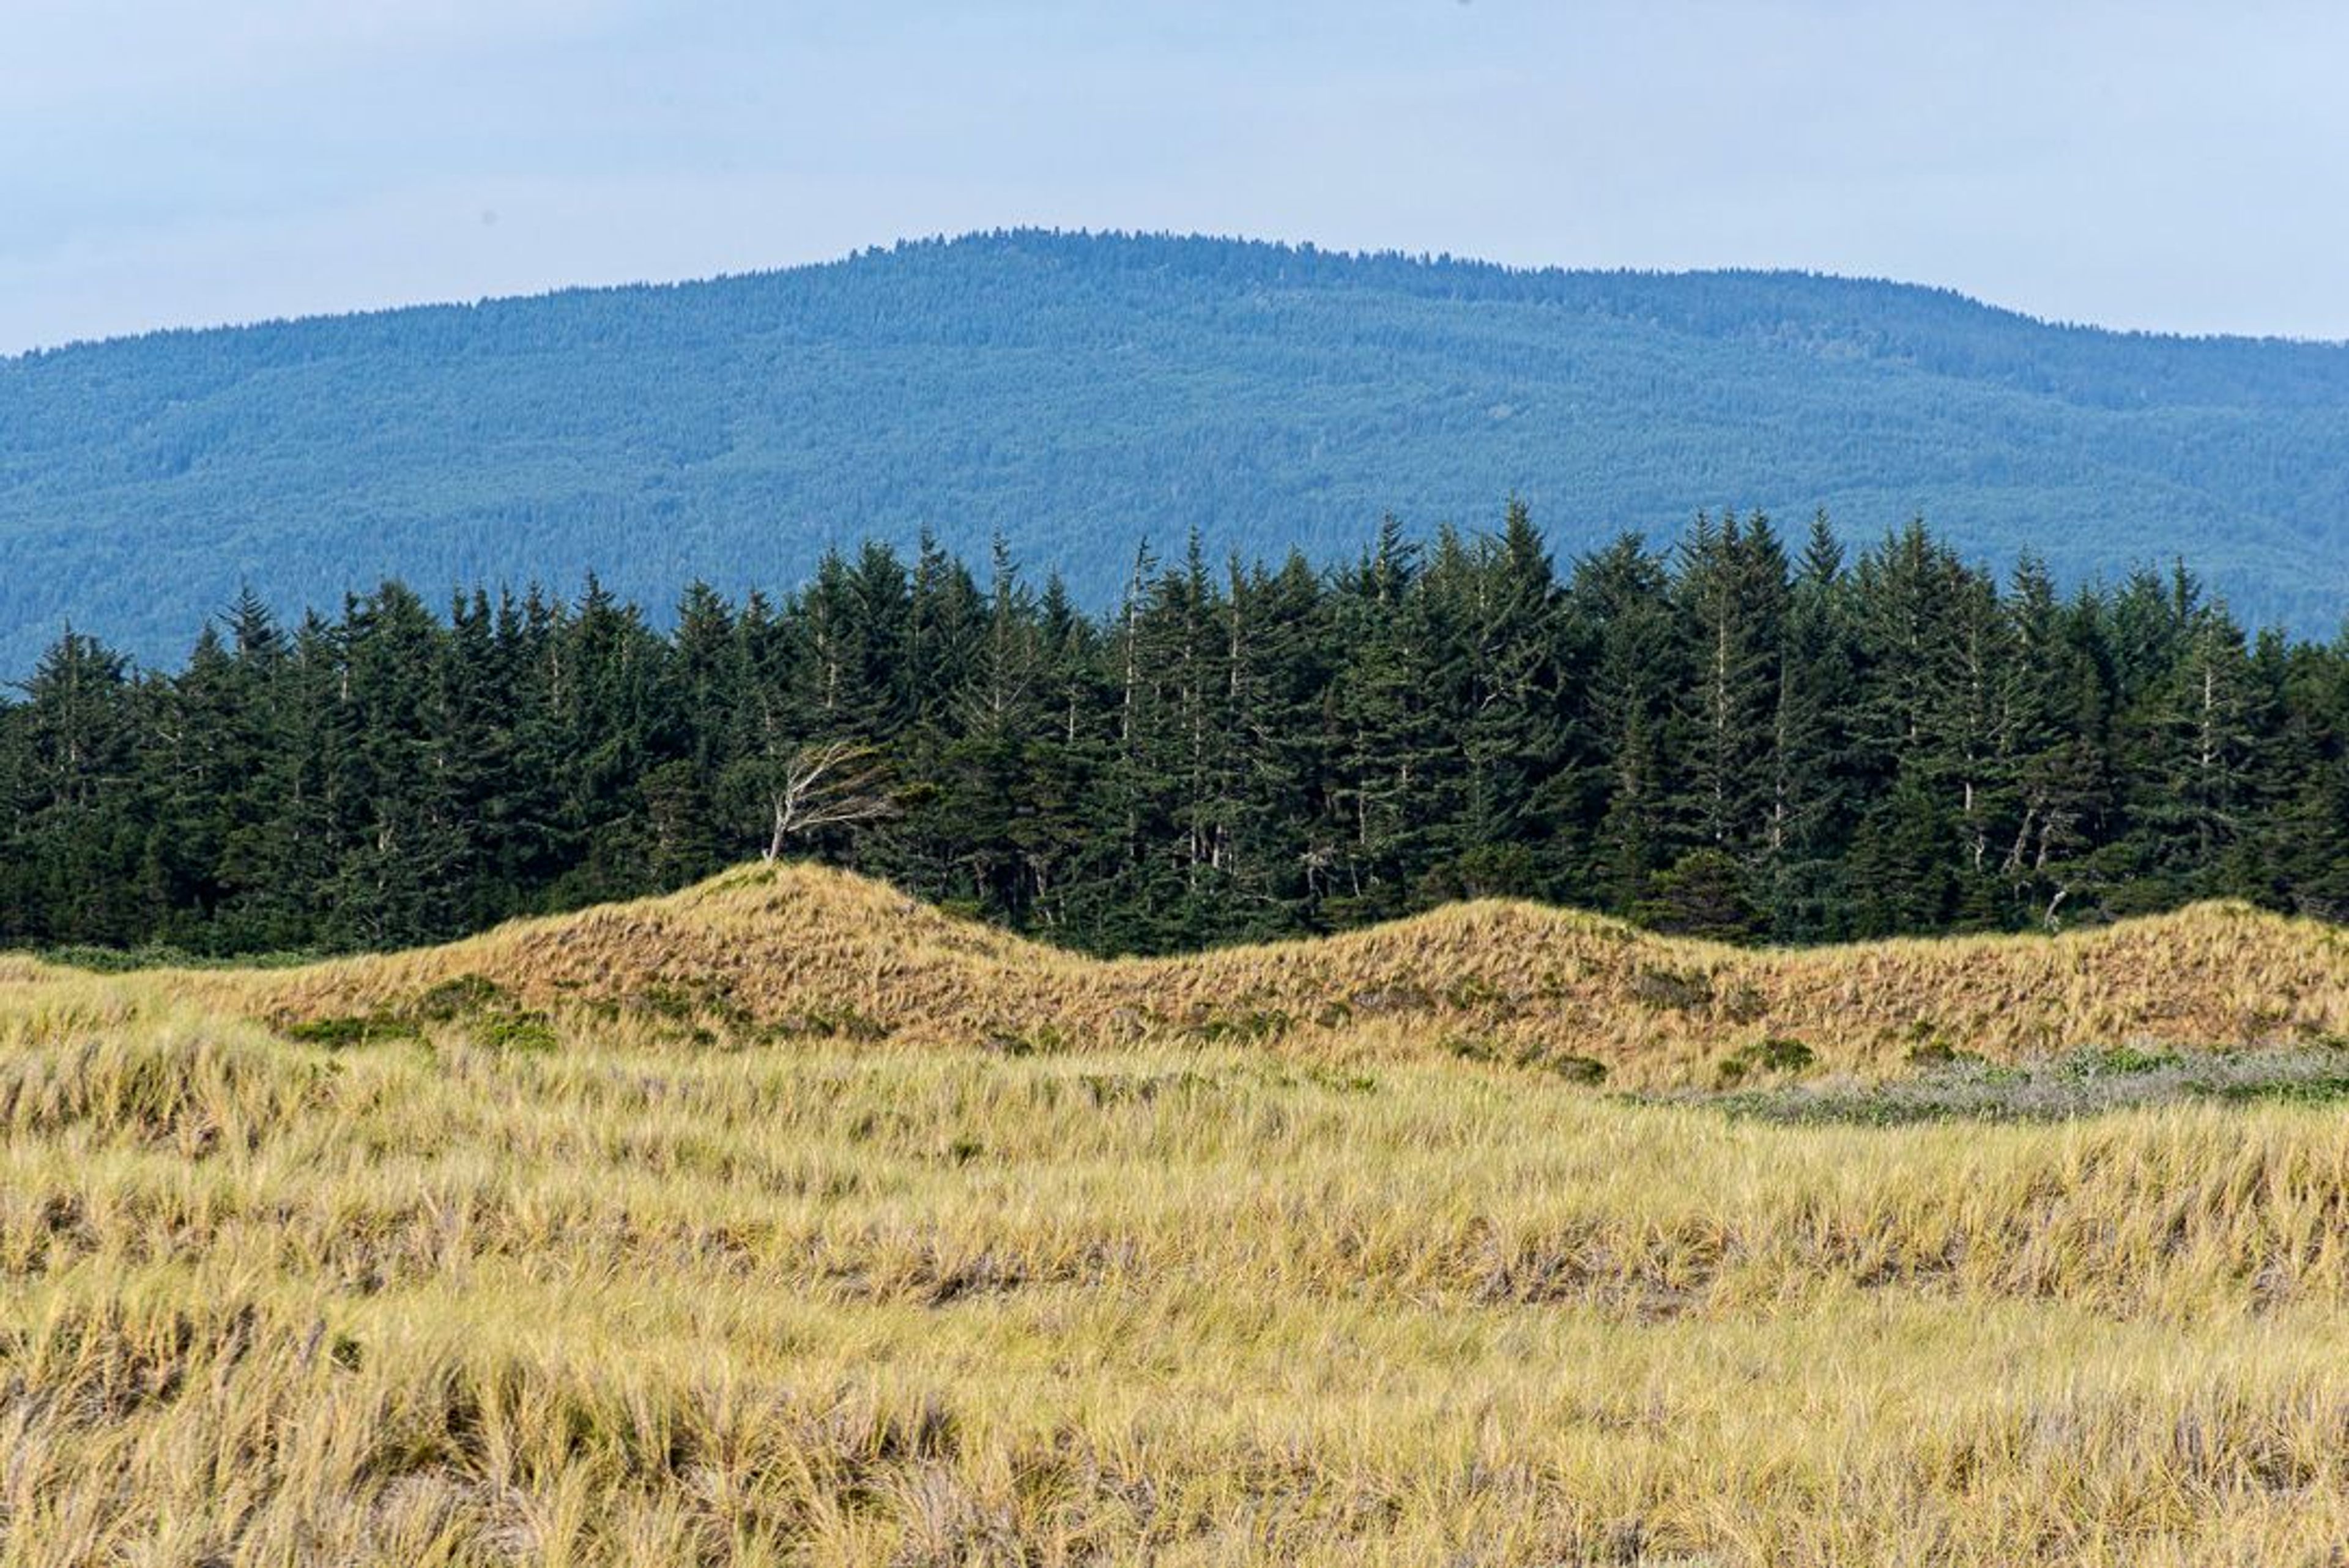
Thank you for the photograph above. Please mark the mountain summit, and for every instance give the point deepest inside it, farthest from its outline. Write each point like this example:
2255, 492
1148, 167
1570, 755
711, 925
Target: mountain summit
1075, 395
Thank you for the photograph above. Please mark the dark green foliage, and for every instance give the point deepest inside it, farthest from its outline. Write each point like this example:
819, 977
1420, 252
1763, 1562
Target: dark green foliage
1703, 894
1071, 392
1577, 1069
507, 1029
2315, 1089
1939, 1053
1250, 1027
1775, 1054
457, 997
1485, 1051
1718, 741
469, 997
129, 960
341, 1032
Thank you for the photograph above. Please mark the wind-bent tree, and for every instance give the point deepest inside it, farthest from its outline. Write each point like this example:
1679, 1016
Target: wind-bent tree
828, 784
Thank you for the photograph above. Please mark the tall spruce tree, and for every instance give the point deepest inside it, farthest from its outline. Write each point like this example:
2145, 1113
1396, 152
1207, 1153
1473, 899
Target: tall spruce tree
1634, 673
1811, 790
1731, 597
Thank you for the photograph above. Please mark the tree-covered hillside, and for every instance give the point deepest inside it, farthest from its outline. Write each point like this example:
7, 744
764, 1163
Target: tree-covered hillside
1070, 393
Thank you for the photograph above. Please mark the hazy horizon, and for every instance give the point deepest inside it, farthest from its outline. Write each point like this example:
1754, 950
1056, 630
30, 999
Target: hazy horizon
2140, 167
882, 246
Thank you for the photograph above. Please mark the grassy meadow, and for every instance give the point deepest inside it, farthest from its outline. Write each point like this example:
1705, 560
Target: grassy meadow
784, 1221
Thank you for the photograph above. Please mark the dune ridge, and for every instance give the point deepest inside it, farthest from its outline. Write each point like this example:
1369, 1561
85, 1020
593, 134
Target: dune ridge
796, 951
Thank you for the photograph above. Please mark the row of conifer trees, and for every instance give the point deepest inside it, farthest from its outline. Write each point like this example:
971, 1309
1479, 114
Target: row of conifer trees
1728, 735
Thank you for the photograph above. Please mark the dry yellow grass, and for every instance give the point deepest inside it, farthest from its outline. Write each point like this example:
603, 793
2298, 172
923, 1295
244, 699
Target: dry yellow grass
818, 953
1150, 1296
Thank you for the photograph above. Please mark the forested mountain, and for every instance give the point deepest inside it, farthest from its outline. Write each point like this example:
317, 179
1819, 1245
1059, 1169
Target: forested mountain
1073, 393
1734, 736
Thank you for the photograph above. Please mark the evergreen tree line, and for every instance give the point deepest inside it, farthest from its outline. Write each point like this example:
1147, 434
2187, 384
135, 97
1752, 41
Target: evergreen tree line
1725, 736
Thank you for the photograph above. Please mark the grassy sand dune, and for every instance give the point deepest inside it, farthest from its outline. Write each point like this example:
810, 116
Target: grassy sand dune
555, 1259
808, 953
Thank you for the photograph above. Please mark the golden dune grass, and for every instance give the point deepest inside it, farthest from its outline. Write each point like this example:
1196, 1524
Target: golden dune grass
815, 952
1330, 1296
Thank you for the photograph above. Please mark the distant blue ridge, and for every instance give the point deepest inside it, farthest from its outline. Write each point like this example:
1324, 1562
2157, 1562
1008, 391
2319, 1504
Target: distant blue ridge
1076, 393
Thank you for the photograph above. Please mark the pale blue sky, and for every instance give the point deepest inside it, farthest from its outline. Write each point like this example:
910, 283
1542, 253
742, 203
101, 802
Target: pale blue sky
2173, 166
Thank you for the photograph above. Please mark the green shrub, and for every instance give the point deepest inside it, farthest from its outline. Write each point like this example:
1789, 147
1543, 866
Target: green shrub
457, 998
2122, 1060
1241, 1028
515, 1031
1772, 1054
358, 1030
1470, 1048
